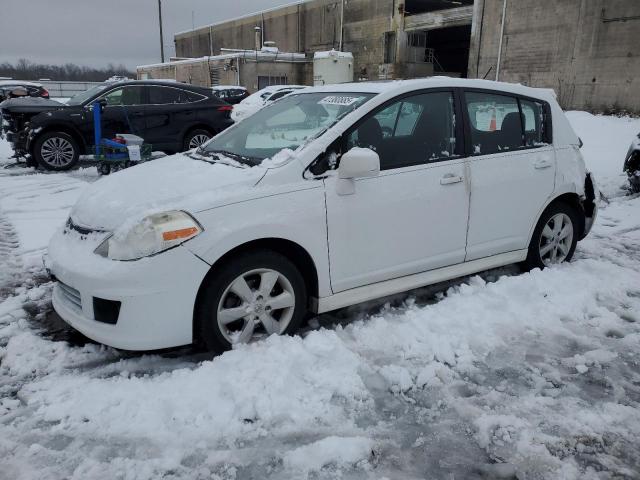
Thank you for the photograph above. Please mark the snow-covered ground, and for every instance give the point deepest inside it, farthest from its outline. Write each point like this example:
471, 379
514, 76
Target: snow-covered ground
501, 375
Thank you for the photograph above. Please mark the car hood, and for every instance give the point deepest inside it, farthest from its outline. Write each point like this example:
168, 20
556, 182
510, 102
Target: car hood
30, 105
178, 182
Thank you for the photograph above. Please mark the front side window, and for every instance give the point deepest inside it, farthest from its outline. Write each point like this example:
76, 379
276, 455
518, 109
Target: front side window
414, 130
287, 123
125, 96
80, 98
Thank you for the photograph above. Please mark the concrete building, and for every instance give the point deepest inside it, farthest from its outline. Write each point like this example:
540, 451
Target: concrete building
250, 68
586, 50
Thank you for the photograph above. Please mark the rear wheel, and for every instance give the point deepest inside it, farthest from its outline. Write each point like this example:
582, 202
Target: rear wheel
555, 237
196, 138
56, 151
255, 295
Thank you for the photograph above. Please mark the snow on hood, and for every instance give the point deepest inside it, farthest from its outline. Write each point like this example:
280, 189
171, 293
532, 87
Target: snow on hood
177, 182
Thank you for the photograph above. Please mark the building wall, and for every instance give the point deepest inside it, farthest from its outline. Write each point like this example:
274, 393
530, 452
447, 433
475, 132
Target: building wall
305, 28
229, 71
588, 51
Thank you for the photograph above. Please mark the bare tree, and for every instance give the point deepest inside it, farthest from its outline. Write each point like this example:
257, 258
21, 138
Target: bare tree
24, 69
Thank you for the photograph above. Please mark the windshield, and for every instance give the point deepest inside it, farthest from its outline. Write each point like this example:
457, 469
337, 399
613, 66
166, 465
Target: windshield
287, 123
80, 98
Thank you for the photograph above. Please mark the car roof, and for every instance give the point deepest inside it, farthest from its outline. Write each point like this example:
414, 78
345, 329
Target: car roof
228, 87
162, 83
19, 82
401, 86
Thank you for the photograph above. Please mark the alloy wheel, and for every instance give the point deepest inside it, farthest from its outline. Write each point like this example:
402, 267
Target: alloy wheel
556, 239
57, 152
258, 301
198, 140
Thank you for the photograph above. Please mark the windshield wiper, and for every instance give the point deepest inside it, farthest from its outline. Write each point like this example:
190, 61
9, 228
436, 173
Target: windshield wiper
234, 156
226, 158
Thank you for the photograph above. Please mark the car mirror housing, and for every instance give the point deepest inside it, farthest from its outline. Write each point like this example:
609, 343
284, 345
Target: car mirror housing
359, 163
356, 163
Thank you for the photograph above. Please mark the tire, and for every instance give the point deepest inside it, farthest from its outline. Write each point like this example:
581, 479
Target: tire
250, 313
555, 237
196, 138
56, 151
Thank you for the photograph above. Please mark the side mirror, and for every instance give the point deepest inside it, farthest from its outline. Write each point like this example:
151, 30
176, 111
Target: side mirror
359, 163
356, 163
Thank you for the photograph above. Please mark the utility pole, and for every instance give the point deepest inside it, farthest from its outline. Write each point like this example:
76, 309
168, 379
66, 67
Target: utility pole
161, 37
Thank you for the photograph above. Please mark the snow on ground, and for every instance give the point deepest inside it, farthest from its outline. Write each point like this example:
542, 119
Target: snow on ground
500, 375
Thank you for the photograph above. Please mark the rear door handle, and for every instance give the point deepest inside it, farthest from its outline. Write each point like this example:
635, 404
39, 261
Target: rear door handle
450, 179
540, 164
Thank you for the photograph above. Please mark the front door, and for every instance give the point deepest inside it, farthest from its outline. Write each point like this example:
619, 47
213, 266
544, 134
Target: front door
413, 216
124, 112
512, 171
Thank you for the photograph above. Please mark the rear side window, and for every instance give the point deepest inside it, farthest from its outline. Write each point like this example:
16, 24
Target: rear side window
278, 95
502, 123
535, 125
495, 121
193, 97
414, 130
167, 95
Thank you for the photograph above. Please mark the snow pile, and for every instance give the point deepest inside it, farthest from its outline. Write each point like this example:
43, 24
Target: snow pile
606, 141
338, 450
332, 54
494, 376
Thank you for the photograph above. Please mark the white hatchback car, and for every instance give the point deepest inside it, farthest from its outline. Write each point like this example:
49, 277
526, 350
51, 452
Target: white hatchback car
329, 197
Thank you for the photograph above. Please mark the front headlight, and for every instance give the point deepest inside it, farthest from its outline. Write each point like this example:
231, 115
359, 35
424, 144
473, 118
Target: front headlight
153, 234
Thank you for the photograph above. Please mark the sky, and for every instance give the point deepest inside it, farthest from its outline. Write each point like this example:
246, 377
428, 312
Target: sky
99, 32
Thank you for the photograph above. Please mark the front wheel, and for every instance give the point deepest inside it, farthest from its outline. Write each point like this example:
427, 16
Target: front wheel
56, 151
256, 294
555, 237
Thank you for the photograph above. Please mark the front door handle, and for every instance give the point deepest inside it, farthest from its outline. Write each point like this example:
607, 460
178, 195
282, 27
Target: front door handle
541, 164
450, 179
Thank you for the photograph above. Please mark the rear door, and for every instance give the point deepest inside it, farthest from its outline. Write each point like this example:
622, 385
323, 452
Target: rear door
170, 112
512, 167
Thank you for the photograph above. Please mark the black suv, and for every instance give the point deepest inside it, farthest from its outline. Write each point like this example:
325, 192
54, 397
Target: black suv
170, 116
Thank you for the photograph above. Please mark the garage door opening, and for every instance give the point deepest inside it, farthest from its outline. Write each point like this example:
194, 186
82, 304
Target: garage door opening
450, 49
416, 7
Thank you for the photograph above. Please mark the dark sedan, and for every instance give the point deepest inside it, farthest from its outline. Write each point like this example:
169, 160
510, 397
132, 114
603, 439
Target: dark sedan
170, 116
21, 88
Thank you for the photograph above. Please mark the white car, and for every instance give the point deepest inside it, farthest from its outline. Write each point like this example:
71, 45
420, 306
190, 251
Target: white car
329, 197
260, 99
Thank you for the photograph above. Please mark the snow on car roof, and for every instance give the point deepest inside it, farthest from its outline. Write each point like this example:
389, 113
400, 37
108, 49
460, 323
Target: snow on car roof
228, 87
400, 86
19, 82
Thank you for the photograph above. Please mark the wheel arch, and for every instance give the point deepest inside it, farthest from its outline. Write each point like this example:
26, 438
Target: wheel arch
64, 128
568, 198
292, 250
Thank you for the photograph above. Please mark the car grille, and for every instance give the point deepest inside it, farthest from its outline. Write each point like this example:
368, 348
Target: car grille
71, 295
83, 231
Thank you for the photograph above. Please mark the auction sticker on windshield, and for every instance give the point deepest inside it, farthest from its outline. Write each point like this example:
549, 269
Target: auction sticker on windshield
339, 100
